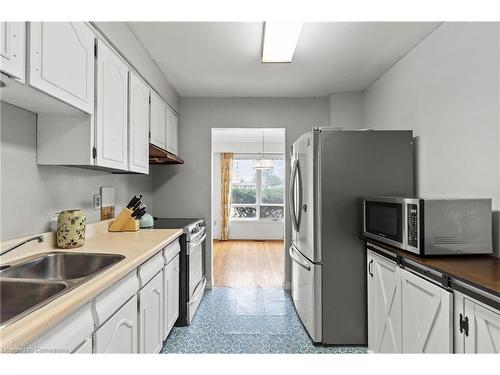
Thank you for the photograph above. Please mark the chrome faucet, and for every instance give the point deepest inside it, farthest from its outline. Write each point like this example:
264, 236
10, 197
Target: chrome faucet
39, 238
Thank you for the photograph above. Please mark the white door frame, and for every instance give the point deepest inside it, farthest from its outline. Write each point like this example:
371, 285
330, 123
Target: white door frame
209, 275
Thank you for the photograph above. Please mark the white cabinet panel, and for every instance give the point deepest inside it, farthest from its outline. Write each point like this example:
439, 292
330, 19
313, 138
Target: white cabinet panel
119, 333
62, 62
151, 316
484, 328
85, 347
158, 121
13, 49
384, 305
138, 127
108, 302
72, 335
150, 268
171, 294
111, 116
427, 316
172, 132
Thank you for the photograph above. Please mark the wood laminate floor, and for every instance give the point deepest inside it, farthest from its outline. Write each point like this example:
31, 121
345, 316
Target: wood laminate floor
248, 263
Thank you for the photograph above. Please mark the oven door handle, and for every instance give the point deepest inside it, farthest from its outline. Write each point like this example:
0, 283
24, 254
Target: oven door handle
198, 242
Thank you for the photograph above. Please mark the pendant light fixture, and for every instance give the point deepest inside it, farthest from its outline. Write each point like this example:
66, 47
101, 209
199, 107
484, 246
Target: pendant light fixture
262, 163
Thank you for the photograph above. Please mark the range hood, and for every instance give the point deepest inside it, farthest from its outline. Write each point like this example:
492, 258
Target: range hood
160, 156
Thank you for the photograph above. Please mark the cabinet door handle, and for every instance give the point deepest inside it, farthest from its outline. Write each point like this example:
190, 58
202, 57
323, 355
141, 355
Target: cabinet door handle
464, 325
370, 268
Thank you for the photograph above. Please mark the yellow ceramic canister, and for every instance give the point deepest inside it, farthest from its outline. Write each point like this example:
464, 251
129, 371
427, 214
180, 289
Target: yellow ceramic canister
70, 229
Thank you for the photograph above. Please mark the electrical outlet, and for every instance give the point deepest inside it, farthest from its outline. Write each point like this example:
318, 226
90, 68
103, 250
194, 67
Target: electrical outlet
97, 201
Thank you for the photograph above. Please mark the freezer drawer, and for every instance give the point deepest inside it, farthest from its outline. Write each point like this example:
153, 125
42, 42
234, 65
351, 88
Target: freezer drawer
306, 292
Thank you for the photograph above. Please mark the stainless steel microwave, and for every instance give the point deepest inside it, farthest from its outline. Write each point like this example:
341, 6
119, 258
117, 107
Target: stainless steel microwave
430, 226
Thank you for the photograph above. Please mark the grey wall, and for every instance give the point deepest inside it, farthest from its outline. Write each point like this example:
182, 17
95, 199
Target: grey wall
347, 109
31, 195
185, 190
127, 43
447, 91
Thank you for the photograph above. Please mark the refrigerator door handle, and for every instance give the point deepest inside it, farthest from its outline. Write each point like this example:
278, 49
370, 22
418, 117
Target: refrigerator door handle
297, 258
291, 195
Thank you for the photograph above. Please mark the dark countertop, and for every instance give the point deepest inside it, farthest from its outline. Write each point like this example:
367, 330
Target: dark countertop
481, 271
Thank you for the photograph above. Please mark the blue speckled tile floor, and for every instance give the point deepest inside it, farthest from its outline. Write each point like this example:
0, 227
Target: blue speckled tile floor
246, 320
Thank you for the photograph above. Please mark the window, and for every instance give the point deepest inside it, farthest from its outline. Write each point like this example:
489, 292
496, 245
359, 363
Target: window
257, 194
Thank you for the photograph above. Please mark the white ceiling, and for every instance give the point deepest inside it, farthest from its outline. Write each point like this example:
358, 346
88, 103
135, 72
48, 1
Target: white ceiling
248, 135
222, 59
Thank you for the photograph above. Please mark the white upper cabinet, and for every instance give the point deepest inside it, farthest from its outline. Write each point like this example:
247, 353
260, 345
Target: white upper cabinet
138, 126
111, 131
158, 121
13, 49
62, 62
172, 132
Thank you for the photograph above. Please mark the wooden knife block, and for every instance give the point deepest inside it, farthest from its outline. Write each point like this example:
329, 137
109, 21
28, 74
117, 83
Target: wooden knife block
124, 222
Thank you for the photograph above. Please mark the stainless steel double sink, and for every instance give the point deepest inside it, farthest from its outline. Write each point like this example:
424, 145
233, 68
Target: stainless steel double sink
32, 282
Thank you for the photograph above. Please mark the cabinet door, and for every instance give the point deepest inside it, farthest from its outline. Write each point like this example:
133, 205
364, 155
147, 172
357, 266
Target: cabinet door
119, 333
151, 316
62, 62
384, 305
85, 347
158, 121
13, 49
172, 132
57, 340
138, 126
484, 328
427, 316
111, 117
171, 290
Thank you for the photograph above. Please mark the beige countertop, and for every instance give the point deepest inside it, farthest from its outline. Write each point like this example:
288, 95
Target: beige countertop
137, 247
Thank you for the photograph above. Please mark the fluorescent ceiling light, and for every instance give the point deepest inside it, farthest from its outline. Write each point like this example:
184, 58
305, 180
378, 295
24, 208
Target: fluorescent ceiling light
280, 40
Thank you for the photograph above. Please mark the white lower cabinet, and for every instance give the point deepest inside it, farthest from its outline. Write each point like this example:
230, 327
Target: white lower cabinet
151, 315
427, 316
119, 333
134, 315
171, 294
384, 305
57, 339
406, 313
477, 326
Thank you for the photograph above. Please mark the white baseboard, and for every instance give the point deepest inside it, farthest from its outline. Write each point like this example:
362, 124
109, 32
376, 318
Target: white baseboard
208, 285
287, 285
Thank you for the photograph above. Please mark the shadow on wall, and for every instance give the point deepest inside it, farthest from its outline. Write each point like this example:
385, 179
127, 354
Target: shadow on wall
495, 214
163, 174
416, 149
496, 233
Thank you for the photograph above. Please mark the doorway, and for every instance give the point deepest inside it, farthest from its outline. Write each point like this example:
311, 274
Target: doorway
248, 207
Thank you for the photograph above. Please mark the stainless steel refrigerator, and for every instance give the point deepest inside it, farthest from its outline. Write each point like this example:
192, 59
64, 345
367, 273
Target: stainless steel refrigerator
331, 170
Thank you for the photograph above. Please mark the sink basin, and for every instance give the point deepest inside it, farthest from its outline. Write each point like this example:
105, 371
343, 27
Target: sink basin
19, 296
61, 266
32, 282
